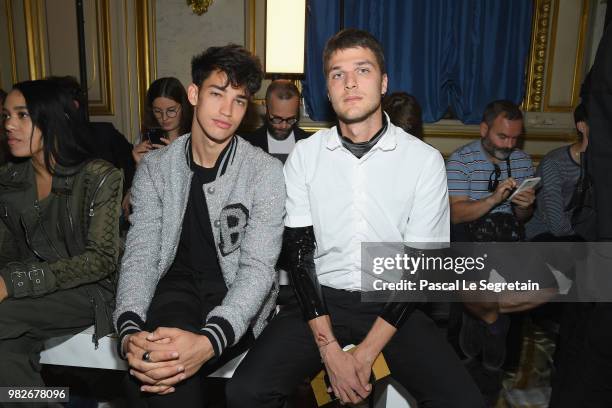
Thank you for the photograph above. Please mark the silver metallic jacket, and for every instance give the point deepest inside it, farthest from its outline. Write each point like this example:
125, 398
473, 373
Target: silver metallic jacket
246, 204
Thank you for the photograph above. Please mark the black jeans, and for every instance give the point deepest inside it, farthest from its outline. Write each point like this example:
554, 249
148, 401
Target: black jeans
583, 359
285, 354
179, 302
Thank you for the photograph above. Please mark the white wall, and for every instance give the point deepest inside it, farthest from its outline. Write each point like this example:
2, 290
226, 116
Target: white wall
181, 34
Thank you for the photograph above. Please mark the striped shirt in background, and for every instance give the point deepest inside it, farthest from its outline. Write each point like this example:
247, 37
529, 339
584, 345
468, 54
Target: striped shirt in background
468, 170
559, 174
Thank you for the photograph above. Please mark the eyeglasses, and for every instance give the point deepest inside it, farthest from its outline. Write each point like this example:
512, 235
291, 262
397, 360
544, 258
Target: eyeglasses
170, 112
493, 183
277, 120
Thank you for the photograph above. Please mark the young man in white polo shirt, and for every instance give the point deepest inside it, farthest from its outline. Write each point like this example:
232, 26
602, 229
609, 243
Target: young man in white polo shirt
365, 180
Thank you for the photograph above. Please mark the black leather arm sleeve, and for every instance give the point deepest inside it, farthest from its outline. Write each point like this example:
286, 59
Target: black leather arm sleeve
396, 313
297, 258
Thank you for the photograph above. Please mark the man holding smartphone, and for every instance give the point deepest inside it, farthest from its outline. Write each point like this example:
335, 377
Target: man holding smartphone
483, 174
197, 281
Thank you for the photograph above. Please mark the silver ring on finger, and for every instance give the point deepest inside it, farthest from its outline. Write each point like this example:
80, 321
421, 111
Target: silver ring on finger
146, 356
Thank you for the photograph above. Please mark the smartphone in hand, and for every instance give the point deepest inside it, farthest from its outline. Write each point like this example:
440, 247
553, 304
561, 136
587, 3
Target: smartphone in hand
154, 135
527, 183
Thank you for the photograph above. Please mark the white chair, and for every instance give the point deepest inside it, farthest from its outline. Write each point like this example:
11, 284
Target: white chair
78, 351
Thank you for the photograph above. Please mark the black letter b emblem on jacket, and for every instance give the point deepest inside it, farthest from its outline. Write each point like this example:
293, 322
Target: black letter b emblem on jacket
233, 221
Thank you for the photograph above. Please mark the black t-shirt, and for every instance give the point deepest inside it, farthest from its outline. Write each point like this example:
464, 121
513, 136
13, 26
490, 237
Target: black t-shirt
196, 257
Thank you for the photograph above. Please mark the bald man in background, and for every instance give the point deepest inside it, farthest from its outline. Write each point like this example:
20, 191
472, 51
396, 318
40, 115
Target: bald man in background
280, 130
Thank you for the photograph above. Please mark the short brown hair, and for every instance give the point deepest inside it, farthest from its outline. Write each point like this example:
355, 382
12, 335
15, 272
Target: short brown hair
353, 38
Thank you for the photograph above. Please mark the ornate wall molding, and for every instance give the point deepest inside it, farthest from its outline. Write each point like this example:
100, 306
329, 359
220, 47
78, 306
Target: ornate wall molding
199, 7
537, 57
11, 39
35, 37
578, 66
100, 66
146, 60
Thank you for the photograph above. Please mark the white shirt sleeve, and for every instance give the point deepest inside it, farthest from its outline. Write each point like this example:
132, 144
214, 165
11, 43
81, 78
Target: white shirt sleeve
298, 202
429, 219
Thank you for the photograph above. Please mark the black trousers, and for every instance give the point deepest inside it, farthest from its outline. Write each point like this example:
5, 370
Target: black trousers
583, 359
180, 302
285, 354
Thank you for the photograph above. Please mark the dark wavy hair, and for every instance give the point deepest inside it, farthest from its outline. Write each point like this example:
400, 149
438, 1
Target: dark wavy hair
404, 111
171, 88
72, 86
580, 114
241, 67
64, 133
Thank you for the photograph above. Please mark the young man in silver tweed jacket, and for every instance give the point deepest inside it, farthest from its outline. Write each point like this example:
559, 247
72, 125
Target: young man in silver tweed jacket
197, 281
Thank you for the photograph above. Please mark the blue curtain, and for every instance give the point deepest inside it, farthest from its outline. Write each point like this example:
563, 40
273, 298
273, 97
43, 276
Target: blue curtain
322, 21
448, 53
491, 42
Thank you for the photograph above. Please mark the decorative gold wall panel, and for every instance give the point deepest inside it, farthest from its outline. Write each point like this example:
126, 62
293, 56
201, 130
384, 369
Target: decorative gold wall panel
577, 67
35, 36
100, 65
11, 39
537, 55
145, 36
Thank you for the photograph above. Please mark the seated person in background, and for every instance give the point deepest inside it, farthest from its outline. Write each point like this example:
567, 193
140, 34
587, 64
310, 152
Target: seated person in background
59, 235
168, 109
481, 177
280, 130
404, 111
197, 280
107, 142
483, 174
560, 170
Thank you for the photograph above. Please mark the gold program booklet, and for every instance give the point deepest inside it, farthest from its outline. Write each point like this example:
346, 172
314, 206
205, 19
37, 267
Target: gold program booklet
319, 385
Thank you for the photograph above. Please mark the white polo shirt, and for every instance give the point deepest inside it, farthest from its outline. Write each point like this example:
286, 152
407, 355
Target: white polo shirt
397, 192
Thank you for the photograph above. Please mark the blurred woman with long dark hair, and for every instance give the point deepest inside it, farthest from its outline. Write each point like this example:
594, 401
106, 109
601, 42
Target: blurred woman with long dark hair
59, 229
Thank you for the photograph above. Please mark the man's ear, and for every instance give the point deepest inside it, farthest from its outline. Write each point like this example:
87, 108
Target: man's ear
385, 81
192, 94
484, 128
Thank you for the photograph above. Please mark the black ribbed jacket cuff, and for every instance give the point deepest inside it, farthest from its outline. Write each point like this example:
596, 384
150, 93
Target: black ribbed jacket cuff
220, 333
127, 323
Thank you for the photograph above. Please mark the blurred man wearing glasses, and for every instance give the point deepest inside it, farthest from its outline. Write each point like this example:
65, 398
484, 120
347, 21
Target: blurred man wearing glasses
484, 173
280, 132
